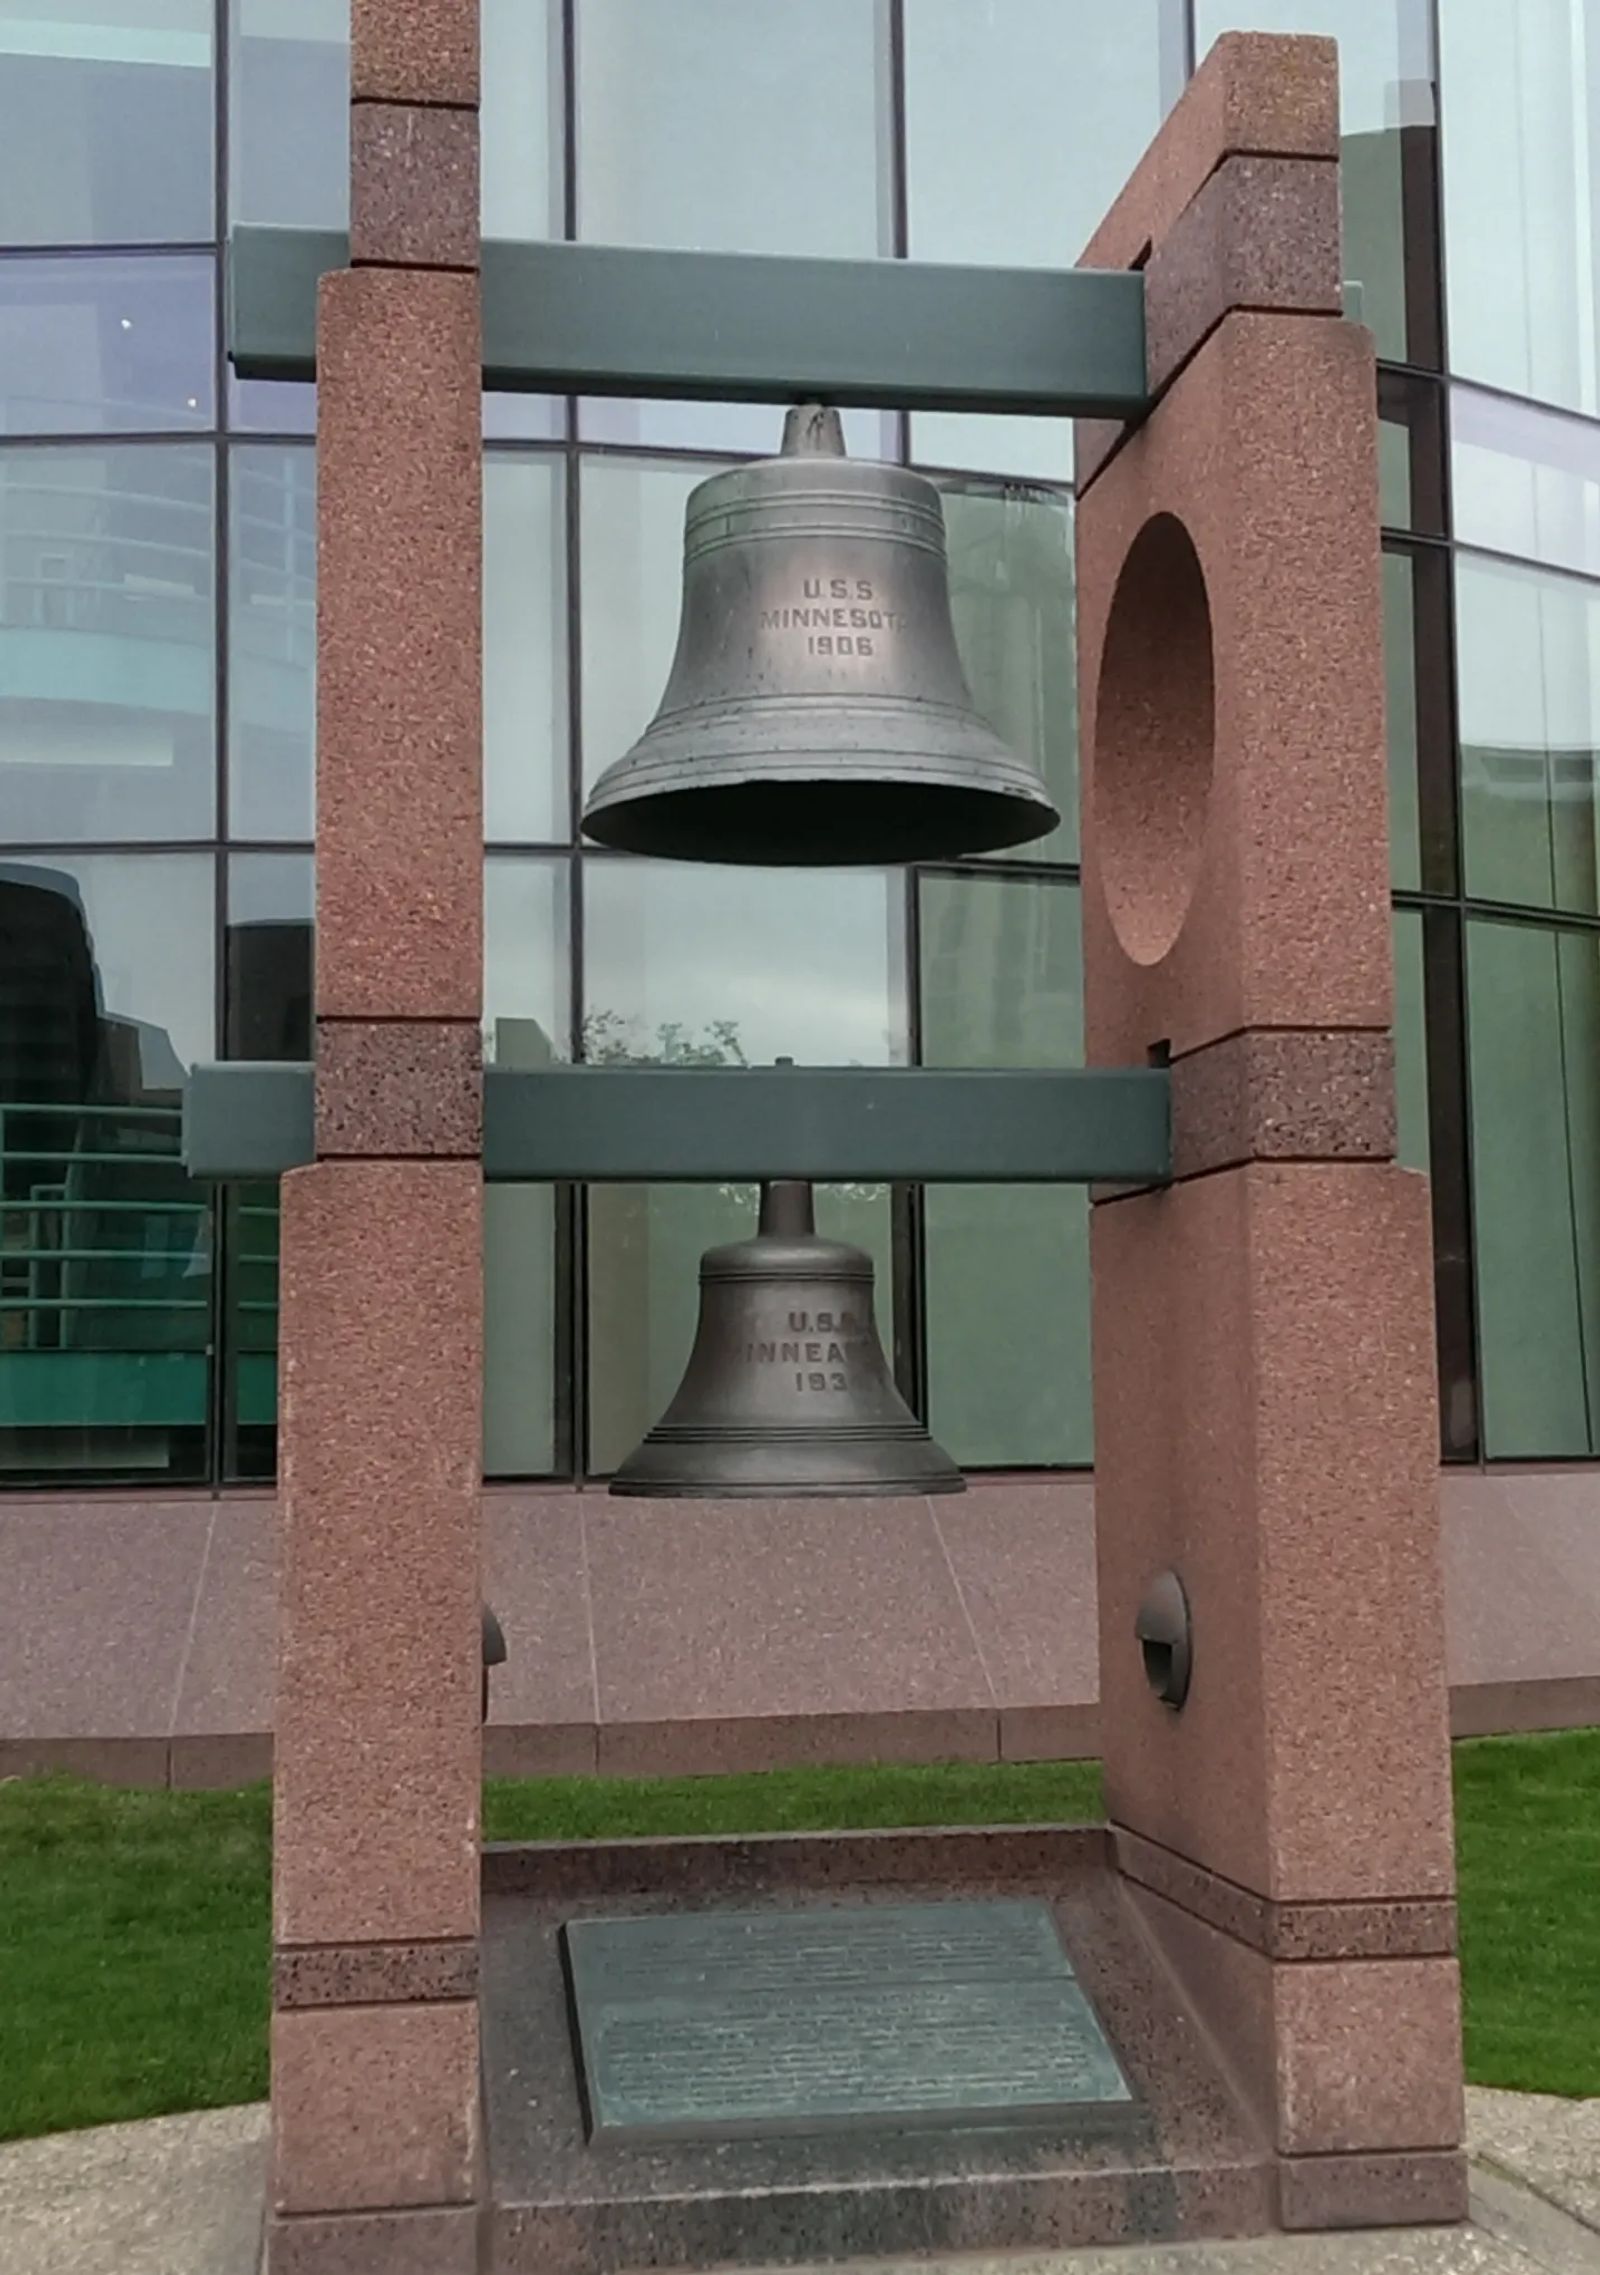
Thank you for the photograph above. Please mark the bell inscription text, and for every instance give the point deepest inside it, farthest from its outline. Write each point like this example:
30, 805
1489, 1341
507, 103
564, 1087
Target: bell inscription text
839, 615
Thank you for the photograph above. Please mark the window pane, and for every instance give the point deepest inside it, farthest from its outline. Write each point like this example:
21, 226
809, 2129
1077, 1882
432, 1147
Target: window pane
1007, 1266
267, 1010
527, 1023
716, 125
524, 649
272, 607
1411, 452
1528, 647
1388, 125
266, 1015
755, 428
631, 551
289, 83
1534, 1009
105, 1246
1526, 481
105, 122
105, 346
1520, 81
107, 642
1400, 673
1012, 601
720, 967
289, 113
1023, 120
527, 1013
1410, 1040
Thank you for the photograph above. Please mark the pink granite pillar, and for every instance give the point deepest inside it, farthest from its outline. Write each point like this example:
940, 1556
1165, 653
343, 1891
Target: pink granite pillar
1263, 1335
375, 2074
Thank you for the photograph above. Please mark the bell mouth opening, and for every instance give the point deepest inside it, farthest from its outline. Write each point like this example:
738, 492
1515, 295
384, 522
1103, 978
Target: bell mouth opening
819, 824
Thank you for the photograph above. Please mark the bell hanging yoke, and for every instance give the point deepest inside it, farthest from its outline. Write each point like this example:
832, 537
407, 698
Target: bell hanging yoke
817, 713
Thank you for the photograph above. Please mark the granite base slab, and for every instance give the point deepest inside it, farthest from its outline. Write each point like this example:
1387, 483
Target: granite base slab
1185, 2160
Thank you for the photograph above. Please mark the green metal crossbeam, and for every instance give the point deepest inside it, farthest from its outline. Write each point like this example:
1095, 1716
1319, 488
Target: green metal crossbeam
697, 1125
619, 320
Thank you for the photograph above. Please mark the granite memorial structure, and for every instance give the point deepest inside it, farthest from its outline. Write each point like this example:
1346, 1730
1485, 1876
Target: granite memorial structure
1233, 2006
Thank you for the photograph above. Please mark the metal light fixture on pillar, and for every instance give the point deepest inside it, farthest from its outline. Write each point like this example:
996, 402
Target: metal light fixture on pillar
817, 713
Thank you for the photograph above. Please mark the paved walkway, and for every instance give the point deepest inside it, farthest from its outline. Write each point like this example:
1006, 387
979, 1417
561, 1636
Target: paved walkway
183, 2196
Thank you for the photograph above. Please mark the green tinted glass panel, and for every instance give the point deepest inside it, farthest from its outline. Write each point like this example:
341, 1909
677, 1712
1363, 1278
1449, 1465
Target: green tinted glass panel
1528, 659
526, 1024
1520, 81
1534, 1012
1410, 1039
1007, 1266
692, 966
1400, 673
1012, 602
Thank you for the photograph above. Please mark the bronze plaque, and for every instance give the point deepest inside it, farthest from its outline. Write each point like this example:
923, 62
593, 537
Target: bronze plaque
870, 2016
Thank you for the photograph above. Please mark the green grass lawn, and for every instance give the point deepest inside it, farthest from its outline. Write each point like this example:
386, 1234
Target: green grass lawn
134, 1925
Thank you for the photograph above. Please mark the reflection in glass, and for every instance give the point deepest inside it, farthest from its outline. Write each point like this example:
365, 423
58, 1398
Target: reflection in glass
267, 1000
1007, 1266
289, 113
526, 1024
105, 122
107, 642
1520, 82
272, 608
524, 649
726, 967
715, 125
1525, 481
1388, 121
631, 549
267, 1014
1534, 1010
105, 1246
1012, 601
105, 346
289, 101
1023, 121
1528, 659
732, 428
742, 966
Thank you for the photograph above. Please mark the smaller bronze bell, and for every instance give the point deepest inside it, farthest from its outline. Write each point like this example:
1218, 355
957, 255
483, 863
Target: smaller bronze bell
787, 1391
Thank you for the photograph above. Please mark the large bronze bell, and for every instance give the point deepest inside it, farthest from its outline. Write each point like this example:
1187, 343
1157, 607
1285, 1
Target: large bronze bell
817, 712
787, 1391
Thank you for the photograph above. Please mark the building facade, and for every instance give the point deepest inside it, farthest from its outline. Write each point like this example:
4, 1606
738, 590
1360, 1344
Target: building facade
157, 605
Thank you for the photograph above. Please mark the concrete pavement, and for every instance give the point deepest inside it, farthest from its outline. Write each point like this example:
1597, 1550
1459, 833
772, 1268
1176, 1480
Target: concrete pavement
184, 2196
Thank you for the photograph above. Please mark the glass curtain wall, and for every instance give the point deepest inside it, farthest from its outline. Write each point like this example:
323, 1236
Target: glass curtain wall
157, 615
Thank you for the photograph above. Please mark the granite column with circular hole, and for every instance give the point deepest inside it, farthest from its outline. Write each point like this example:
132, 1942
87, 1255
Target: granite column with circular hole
1265, 1399
376, 2154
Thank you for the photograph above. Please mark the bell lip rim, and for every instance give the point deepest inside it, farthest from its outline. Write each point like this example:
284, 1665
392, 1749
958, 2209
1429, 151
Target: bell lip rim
663, 1489
1042, 819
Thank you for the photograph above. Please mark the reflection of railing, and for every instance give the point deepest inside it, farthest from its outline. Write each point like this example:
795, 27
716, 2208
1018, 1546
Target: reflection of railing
105, 1270
253, 1304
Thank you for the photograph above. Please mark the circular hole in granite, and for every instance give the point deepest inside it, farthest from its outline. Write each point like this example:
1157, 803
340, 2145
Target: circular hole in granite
1154, 740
